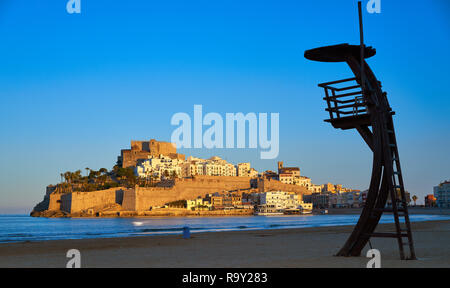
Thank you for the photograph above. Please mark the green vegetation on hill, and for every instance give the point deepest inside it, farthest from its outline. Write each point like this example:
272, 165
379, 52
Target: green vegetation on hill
177, 204
103, 179
94, 180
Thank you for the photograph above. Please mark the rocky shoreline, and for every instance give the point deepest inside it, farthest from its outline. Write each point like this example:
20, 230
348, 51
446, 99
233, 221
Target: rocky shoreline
166, 212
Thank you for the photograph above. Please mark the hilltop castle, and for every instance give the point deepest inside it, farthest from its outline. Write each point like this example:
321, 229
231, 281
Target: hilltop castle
173, 178
141, 150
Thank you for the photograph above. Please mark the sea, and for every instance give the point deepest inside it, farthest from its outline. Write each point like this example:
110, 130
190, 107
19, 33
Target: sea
23, 228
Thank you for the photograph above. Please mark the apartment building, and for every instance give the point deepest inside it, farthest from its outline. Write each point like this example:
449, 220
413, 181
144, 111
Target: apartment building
319, 200
159, 167
442, 194
214, 166
286, 178
279, 199
243, 169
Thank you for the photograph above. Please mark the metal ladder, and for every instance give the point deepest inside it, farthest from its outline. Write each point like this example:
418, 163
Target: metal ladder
397, 194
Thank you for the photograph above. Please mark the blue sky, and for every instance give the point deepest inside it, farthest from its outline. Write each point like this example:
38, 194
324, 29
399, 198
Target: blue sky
76, 88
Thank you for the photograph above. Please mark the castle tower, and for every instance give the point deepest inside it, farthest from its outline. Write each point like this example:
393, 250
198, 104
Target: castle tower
280, 166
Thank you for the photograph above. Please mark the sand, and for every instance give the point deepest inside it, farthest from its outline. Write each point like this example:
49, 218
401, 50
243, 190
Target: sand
308, 247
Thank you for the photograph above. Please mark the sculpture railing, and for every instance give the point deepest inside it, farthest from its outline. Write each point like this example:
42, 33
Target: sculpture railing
344, 98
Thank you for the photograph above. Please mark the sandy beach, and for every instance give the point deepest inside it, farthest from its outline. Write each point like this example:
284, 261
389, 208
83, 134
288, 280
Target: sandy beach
308, 247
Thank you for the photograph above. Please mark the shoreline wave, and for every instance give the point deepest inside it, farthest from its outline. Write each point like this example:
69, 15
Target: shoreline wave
14, 229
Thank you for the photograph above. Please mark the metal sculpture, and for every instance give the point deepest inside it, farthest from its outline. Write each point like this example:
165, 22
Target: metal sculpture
359, 103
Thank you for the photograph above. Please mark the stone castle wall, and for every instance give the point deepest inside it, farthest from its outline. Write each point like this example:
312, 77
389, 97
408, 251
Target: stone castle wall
54, 202
79, 201
141, 199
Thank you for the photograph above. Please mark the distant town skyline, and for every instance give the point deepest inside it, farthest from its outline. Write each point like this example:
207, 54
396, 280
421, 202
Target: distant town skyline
77, 88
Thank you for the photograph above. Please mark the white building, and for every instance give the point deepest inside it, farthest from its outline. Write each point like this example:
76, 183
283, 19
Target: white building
253, 173
280, 200
243, 169
159, 167
303, 181
350, 199
442, 194
193, 166
286, 178
306, 182
214, 166
314, 188
306, 206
